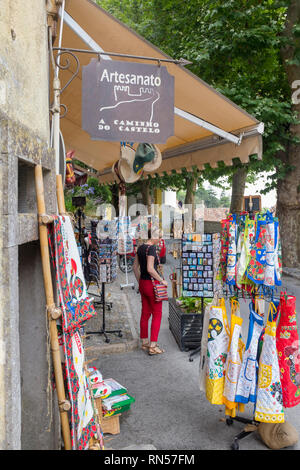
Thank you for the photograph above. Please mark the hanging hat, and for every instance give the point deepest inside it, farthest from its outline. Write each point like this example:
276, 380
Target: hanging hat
147, 158
126, 163
123, 168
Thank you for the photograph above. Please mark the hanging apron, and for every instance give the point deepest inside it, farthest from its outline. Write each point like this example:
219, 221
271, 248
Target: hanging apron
231, 255
246, 387
245, 257
224, 248
203, 352
256, 268
269, 277
217, 347
217, 280
277, 254
287, 343
241, 224
269, 406
233, 360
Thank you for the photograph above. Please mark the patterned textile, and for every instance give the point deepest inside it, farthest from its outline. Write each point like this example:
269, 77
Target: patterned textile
217, 347
218, 284
231, 254
245, 256
77, 309
233, 360
224, 249
277, 254
241, 224
287, 343
256, 268
246, 386
273, 267
203, 352
269, 405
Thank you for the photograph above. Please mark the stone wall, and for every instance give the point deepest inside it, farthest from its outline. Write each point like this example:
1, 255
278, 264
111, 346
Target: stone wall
27, 411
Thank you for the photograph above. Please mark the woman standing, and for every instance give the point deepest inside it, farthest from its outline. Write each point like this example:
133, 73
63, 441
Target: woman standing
145, 267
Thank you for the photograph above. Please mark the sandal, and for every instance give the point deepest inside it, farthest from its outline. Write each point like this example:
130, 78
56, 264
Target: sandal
155, 350
145, 347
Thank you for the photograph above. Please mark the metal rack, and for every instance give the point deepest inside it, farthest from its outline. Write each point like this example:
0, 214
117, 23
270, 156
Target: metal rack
103, 331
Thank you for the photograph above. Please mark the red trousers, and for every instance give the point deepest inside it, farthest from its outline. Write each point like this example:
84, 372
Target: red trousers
149, 307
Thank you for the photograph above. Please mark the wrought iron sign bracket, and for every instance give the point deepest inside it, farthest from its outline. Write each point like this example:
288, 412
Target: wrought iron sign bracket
181, 62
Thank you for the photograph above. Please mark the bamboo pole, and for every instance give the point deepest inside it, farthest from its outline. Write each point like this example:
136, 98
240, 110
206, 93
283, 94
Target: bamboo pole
60, 195
62, 402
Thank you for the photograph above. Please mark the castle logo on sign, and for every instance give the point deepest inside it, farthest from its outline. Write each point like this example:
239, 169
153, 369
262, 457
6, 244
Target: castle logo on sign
127, 101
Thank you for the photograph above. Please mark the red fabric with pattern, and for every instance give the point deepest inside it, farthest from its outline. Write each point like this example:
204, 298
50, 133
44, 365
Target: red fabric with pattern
74, 317
287, 344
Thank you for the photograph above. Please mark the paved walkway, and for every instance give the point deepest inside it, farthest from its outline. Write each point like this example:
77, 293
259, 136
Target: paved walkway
170, 412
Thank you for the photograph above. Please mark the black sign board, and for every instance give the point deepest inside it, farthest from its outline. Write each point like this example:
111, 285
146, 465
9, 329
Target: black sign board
252, 203
127, 101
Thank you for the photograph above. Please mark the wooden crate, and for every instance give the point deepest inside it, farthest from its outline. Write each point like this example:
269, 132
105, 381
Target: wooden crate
110, 425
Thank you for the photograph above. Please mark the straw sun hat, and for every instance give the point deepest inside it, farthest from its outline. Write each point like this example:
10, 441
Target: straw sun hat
129, 168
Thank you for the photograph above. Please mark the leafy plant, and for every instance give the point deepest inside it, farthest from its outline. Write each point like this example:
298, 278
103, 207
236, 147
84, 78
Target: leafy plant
193, 304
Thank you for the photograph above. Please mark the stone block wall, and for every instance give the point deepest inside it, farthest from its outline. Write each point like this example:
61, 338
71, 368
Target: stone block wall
28, 415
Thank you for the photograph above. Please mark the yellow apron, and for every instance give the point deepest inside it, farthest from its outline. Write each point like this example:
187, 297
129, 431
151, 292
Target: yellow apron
217, 347
233, 362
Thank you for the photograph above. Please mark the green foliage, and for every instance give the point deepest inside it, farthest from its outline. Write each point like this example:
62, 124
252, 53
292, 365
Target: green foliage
235, 46
193, 304
208, 196
94, 192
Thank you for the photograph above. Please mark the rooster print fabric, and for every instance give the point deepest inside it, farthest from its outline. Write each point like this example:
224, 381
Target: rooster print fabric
77, 309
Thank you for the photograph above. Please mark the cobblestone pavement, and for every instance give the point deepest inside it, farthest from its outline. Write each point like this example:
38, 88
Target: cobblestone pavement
170, 412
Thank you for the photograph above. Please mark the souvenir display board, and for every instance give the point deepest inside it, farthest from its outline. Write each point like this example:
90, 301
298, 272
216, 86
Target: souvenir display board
125, 241
197, 265
103, 252
107, 260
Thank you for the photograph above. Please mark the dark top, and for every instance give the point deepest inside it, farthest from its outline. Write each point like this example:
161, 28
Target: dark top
142, 257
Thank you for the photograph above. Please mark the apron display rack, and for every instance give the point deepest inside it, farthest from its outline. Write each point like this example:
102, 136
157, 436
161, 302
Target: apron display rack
103, 330
259, 277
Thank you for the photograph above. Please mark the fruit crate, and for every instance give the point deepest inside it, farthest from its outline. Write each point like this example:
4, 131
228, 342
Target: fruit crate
185, 327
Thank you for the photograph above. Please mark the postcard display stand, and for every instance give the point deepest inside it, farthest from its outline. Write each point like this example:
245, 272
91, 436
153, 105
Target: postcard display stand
104, 255
197, 265
197, 281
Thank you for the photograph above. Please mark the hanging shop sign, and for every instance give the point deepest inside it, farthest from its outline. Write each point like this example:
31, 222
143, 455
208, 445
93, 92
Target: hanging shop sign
127, 101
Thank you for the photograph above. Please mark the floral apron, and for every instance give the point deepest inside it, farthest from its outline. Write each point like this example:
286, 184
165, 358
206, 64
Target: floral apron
256, 268
246, 387
240, 241
217, 347
247, 245
269, 405
233, 361
287, 343
278, 254
231, 255
224, 249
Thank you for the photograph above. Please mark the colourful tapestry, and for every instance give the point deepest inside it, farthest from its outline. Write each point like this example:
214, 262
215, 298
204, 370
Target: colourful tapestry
77, 309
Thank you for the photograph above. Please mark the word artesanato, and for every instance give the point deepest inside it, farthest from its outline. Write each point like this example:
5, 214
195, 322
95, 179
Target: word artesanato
130, 79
